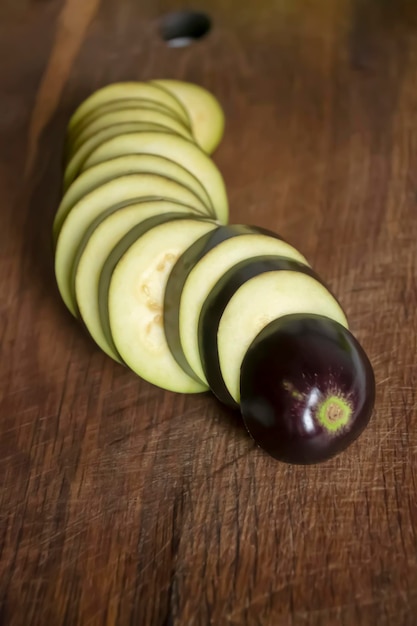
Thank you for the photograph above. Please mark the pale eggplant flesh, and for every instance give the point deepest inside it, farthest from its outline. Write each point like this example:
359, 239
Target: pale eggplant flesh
179, 274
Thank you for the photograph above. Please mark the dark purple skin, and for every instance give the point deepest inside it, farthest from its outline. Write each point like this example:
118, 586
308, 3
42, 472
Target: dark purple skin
307, 389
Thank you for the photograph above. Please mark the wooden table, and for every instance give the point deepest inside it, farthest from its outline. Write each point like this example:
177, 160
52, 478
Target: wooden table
123, 504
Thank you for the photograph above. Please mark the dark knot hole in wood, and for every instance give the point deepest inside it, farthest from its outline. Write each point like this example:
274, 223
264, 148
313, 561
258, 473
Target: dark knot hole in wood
182, 28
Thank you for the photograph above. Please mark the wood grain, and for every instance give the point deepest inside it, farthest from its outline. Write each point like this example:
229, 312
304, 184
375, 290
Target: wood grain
71, 29
121, 504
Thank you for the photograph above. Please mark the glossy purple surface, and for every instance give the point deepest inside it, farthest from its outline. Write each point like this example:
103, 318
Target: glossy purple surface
307, 389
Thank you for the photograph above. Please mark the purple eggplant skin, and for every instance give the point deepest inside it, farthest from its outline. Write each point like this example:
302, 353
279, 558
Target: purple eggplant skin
307, 389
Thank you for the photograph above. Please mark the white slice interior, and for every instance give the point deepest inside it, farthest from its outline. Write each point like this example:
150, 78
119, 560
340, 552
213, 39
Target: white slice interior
136, 303
77, 160
205, 275
184, 152
127, 90
130, 164
125, 116
259, 301
206, 114
105, 236
121, 189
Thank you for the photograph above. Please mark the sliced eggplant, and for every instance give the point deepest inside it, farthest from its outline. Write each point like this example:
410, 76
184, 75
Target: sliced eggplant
97, 244
216, 303
76, 164
131, 187
205, 112
177, 279
154, 207
116, 105
123, 91
121, 166
136, 295
204, 276
126, 116
256, 298
184, 152
307, 389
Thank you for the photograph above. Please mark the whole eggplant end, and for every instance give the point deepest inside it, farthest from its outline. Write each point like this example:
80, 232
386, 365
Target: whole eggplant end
307, 389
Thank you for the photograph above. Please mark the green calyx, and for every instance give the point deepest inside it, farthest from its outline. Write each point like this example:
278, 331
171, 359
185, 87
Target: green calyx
334, 413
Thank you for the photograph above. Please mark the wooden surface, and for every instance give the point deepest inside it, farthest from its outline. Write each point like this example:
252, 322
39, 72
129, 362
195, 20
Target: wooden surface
121, 504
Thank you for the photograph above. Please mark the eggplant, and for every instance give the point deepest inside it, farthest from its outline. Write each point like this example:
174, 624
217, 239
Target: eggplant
91, 206
218, 300
123, 166
77, 160
131, 295
209, 270
126, 91
206, 115
113, 259
178, 277
96, 246
126, 116
171, 146
116, 105
307, 389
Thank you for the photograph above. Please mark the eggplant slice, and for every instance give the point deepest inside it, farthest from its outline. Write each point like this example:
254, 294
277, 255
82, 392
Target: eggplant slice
134, 280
